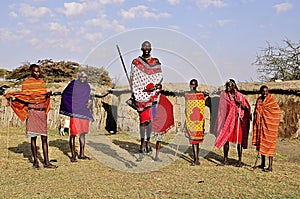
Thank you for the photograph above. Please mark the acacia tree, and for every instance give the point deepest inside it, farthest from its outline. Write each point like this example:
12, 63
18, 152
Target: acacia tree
61, 71
279, 62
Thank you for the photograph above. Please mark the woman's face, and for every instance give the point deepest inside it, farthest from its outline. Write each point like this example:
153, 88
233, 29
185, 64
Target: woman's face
82, 79
193, 85
230, 87
264, 92
35, 72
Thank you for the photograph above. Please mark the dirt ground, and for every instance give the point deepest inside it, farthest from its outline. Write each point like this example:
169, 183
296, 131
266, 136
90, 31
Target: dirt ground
290, 149
93, 179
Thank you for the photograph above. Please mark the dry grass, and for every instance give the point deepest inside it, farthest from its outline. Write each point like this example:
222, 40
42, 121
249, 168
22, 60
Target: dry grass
93, 179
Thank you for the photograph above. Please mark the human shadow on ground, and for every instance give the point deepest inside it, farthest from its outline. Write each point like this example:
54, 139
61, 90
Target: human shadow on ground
218, 159
211, 156
62, 145
182, 151
130, 147
107, 150
25, 148
133, 148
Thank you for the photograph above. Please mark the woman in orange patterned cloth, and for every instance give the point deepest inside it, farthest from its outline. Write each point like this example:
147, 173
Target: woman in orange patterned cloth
265, 126
33, 105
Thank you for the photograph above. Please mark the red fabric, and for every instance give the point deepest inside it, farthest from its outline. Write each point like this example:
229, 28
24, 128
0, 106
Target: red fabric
228, 126
79, 126
145, 109
148, 70
145, 115
196, 96
198, 134
149, 87
164, 117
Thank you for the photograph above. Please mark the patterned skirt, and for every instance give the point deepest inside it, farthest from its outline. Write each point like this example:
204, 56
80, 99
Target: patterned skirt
36, 123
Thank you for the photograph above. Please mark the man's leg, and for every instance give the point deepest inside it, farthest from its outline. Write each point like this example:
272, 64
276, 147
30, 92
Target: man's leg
34, 152
82, 145
240, 151
142, 136
263, 162
142, 145
157, 147
226, 151
148, 134
47, 163
269, 169
196, 154
72, 148
270, 163
45, 149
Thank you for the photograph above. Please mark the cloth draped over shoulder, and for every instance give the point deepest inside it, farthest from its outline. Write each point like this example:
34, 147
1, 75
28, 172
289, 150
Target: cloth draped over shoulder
142, 74
265, 125
33, 92
164, 117
74, 100
232, 123
194, 117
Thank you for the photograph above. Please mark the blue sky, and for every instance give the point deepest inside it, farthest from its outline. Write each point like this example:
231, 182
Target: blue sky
228, 34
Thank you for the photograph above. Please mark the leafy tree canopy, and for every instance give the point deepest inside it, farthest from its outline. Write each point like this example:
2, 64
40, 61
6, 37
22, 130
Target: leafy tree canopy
279, 62
61, 71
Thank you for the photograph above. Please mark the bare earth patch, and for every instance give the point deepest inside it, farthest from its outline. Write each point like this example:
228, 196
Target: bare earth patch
93, 179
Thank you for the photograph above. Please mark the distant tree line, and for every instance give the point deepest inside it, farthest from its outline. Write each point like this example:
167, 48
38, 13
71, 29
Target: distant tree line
62, 71
279, 62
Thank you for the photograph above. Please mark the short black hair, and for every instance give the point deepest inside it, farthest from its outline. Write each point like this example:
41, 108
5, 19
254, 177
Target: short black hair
194, 80
159, 85
144, 43
34, 66
263, 87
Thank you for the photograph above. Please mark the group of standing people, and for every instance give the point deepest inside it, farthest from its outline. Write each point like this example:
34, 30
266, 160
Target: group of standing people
234, 113
32, 105
155, 113
233, 123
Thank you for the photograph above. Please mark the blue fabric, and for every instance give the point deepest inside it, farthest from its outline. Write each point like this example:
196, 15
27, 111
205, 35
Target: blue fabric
74, 100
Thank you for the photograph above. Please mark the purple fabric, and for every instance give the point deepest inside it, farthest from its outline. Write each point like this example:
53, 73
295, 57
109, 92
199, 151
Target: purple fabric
74, 100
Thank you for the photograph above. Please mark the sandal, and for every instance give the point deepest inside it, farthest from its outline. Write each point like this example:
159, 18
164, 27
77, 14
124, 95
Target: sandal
259, 166
157, 160
239, 164
36, 166
50, 166
73, 159
84, 158
195, 164
267, 170
223, 164
148, 149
